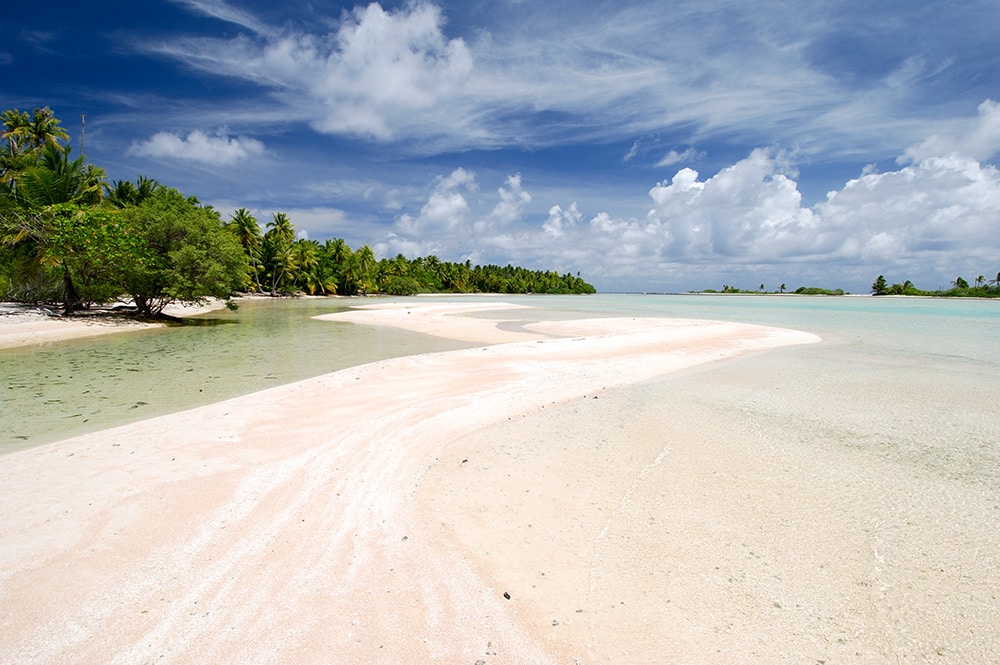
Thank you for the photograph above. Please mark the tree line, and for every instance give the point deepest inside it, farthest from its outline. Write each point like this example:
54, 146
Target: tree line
981, 288
69, 235
282, 263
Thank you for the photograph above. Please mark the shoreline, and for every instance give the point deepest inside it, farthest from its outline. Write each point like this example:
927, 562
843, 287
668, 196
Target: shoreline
35, 325
294, 520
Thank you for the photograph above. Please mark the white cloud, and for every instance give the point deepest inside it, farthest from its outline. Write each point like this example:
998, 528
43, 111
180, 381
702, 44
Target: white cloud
749, 211
382, 74
537, 76
224, 12
446, 209
510, 209
561, 222
744, 225
218, 149
674, 157
935, 215
632, 152
978, 138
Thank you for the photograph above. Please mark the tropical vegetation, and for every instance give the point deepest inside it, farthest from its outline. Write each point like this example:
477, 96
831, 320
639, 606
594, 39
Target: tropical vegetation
68, 235
960, 288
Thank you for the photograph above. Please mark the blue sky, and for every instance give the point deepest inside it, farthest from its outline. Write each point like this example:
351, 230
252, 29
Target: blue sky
650, 146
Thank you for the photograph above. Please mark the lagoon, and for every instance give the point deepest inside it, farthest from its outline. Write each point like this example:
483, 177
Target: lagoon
58, 390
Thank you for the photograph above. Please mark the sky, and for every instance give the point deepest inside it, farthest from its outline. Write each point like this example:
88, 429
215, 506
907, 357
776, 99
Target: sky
648, 146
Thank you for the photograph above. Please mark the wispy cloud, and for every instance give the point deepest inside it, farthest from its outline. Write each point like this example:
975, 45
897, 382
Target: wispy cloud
224, 11
674, 157
539, 78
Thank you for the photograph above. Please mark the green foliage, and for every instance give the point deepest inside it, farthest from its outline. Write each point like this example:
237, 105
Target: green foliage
879, 286
93, 247
818, 291
185, 253
960, 289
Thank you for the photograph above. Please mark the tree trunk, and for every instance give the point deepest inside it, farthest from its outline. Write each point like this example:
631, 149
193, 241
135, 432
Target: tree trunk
72, 302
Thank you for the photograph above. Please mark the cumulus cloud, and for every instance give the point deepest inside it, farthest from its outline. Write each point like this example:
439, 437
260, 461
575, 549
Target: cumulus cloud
748, 222
747, 211
928, 221
446, 209
509, 210
216, 149
561, 222
934, 214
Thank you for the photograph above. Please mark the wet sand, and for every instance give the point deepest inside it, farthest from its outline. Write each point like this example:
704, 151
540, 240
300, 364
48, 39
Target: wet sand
579, 492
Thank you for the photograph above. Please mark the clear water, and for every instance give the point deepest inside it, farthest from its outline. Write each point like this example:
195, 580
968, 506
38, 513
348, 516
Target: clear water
63, 389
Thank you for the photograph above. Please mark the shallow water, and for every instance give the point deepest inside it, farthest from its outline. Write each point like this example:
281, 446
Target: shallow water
62, 389
57, 390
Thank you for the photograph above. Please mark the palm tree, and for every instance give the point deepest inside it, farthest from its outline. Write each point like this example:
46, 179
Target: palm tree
43, 129
55, 179
123, 193
277, 251
28, 133
280, 228
305, 256
981, 280
247, 231
366, 268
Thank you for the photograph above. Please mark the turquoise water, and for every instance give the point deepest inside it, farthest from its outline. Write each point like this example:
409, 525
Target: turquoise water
68, 388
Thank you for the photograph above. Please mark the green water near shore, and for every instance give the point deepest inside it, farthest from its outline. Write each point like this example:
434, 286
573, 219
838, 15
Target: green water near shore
58, 390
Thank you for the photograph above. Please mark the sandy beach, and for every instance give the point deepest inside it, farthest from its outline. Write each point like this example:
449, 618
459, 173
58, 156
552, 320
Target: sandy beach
585, 491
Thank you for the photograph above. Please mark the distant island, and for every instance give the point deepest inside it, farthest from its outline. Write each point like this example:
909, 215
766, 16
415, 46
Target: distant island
960, 288
802, 291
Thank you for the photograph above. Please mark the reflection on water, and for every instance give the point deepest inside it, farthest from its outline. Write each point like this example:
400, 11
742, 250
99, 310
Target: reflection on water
63, 389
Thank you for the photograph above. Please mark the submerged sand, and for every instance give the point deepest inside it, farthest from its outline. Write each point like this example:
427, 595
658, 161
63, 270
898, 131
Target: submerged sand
555, 497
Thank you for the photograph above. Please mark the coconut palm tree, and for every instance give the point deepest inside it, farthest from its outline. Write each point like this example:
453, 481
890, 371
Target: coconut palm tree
247, 231
277, 251
28, 133
124, 193
55, 179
